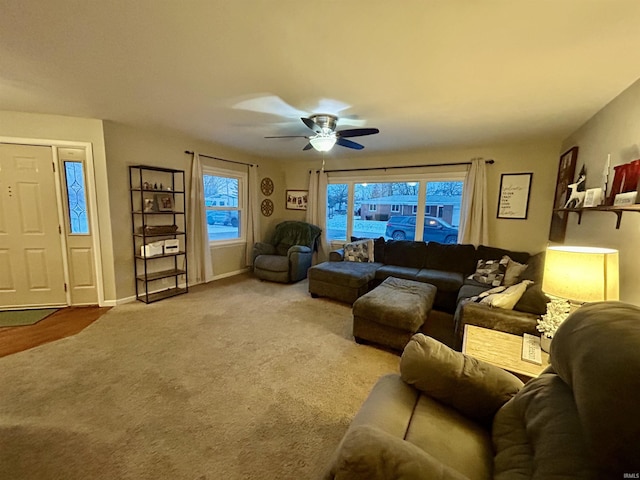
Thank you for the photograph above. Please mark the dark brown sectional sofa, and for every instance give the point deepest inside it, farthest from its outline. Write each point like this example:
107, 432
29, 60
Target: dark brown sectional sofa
447, 267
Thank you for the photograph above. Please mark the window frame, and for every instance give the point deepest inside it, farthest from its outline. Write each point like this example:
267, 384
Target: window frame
241, 208
65, 187
422, 179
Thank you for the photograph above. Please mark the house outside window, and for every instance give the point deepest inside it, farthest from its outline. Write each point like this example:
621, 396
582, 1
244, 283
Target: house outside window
411, 201
224, 201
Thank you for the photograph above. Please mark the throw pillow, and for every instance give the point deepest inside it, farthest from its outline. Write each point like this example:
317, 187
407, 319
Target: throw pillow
514, 270
508, 298
360, 251
490, 272
535, 268
478, 298
378, 247
533, 301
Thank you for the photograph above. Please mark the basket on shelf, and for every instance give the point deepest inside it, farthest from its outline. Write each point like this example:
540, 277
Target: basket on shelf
159, 229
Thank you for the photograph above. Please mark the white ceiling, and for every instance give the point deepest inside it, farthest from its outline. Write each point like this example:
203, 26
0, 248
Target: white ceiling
427, 73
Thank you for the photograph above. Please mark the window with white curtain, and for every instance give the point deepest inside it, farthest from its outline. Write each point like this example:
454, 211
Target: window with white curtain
225, 200
410, 207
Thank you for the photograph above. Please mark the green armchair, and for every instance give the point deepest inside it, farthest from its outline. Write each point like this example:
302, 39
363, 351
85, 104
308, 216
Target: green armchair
288, 256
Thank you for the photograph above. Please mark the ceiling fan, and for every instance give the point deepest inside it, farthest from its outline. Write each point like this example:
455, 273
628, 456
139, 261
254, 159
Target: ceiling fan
326, 135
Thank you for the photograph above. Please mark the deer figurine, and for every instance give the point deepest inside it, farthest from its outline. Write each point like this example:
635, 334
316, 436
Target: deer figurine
576, 198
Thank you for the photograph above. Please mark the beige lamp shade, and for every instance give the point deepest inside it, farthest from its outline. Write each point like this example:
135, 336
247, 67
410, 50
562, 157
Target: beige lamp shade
581, 274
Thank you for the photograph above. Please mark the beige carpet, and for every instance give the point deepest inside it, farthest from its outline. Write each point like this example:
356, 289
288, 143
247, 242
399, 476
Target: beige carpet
238, 379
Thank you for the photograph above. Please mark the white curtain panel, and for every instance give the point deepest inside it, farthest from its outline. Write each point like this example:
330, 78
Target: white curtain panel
317, 209
200, 267
253, 215
474, 214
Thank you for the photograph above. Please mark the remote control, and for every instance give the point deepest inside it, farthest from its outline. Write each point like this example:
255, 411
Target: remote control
531, 349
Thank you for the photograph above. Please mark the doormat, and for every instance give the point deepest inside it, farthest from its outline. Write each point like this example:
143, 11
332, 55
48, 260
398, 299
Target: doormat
17, 318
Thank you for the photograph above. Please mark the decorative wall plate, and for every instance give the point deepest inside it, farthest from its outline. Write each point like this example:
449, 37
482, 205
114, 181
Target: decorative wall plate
266, 207
266, 186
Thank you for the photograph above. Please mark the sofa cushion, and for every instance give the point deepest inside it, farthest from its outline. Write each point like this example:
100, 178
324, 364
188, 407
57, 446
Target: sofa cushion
347, 274
453, 439
408, 273
451, 258
443, 281
367, 453
405, 253
484, 252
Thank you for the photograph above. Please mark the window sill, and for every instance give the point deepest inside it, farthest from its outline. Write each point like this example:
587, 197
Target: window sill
227, 243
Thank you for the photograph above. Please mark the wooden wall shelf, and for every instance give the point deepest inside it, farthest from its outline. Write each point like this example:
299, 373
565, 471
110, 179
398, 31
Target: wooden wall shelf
604, 208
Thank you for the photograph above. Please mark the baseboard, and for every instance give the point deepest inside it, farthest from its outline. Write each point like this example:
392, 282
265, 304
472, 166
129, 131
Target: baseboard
132, 298
231, 274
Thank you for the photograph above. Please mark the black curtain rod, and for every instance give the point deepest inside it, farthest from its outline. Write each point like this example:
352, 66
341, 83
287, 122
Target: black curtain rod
222, 159
490, 162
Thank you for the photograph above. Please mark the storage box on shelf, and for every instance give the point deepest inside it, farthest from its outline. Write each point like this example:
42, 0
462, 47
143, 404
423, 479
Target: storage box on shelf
158, 221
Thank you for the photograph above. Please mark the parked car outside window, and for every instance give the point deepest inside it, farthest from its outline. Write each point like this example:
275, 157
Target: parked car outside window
402, 227
222, 217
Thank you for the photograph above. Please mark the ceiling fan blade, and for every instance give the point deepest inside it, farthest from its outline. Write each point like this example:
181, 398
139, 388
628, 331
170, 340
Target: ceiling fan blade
349, 144
308, 146
357, 132
311, 124
288, 136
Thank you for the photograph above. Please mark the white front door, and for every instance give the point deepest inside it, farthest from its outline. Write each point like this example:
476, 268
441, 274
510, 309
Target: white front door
31, 261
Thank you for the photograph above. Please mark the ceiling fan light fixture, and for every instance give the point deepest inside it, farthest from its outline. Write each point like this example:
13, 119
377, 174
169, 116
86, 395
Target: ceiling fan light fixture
323, 143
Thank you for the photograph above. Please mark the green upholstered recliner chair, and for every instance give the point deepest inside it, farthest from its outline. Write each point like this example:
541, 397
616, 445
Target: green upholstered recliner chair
288, 256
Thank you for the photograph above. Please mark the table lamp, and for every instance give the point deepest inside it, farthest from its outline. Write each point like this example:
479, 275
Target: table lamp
575, 275
581, 274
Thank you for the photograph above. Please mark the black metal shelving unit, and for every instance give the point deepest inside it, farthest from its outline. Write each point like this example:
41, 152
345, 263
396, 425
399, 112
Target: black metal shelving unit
158, 213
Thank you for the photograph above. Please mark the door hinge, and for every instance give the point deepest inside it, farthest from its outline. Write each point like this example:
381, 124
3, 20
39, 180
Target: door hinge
59, 230
65, 287
54, 167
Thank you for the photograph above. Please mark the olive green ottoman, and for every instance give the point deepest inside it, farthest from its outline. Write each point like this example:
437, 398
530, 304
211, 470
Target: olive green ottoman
392, 312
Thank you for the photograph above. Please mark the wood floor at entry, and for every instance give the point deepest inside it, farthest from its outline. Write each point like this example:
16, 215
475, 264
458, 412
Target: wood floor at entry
63, 323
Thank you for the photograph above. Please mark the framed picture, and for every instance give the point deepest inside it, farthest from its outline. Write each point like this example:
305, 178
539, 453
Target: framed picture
593, 197
297, 199
164, 202
515, 189
149, 205
566, 172
627, 198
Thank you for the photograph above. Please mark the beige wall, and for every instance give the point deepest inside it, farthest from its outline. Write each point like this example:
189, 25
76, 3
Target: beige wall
615, 130
70, 129
117, 145
540, 158
126, 146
